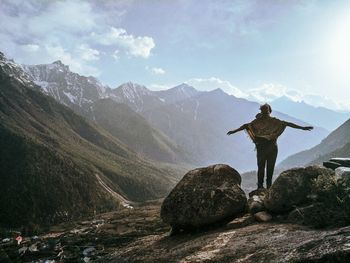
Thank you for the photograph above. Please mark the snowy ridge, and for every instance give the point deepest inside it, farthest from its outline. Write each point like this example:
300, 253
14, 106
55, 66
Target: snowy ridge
15, 70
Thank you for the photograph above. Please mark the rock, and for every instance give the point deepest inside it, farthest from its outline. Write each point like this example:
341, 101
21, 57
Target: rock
345, 162
301, 214
256, 200
331, 165
258, 192
292, 188
242, 221
316, 215
263, 216
342, 174
255, 204
205, 196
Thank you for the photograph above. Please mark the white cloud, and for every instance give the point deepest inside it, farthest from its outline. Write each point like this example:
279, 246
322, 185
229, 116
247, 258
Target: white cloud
160, 86
136, 46
59, 53
268, 92
115, 54
88, 53
38, 32
207, 84
30, 48
156, 71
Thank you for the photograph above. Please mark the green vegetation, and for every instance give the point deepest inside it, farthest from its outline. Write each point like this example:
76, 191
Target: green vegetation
50, 157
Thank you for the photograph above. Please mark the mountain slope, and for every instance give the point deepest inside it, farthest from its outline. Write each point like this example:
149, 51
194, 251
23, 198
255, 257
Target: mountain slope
52, 159
85, 95
199, 125
134, 131
334, 141
318, 116
196, 124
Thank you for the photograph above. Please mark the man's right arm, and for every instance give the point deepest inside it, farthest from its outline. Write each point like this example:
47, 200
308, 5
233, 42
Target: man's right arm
243, 127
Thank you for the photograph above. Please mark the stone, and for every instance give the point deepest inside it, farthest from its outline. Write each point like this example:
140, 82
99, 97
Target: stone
293, 187
331, 165
342, 174
258, 192
203, 197
345, 162
255, 204
263, 216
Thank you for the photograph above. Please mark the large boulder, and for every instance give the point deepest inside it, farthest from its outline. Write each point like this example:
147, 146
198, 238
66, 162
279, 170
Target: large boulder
205, 196
293, 187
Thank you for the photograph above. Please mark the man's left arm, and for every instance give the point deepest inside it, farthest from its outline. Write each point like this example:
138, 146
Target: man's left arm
296, 126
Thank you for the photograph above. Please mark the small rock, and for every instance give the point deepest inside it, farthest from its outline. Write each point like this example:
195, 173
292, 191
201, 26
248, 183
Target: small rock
5, 240
255, 206
259, 192
241, 221
342, 161
342, 174
89, 251
262, 216
22, 250
33, 248
331, 165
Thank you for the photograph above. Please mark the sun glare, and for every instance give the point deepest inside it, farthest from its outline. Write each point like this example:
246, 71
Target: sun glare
339, 56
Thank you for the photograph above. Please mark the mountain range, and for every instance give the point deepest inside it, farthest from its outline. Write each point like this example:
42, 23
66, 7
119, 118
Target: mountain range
319, 116
72, 146
336, 144
56, 165
184, 125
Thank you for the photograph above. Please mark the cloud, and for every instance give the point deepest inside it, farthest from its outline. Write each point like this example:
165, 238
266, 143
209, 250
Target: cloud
207, 84
115, 54
156, 71
160, 86
268, 92
37, 32
30, 47
59, 53
88, 53
139, 46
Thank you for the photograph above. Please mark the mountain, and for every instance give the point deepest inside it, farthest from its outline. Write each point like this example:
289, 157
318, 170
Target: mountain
176, 94
199, 124
191, 125
318, 116
69, 88
56, 166
134, 131
335, 143
88, 97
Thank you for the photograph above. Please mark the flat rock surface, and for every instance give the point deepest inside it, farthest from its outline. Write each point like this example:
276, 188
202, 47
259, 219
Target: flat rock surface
264, 242
138, 235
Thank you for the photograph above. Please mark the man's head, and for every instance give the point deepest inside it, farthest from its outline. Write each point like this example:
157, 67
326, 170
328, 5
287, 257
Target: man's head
265, 109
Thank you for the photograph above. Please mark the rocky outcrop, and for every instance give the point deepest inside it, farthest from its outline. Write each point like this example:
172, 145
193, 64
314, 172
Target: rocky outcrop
342, 174
336, 162
293, 187
203, 197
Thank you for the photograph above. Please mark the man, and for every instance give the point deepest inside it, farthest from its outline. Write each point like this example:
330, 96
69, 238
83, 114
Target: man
264, 131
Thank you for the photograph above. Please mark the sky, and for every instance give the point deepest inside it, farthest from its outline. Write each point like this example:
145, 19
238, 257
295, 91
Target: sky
255, 49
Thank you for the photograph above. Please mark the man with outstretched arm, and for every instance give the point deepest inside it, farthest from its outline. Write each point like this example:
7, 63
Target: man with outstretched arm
264, 131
